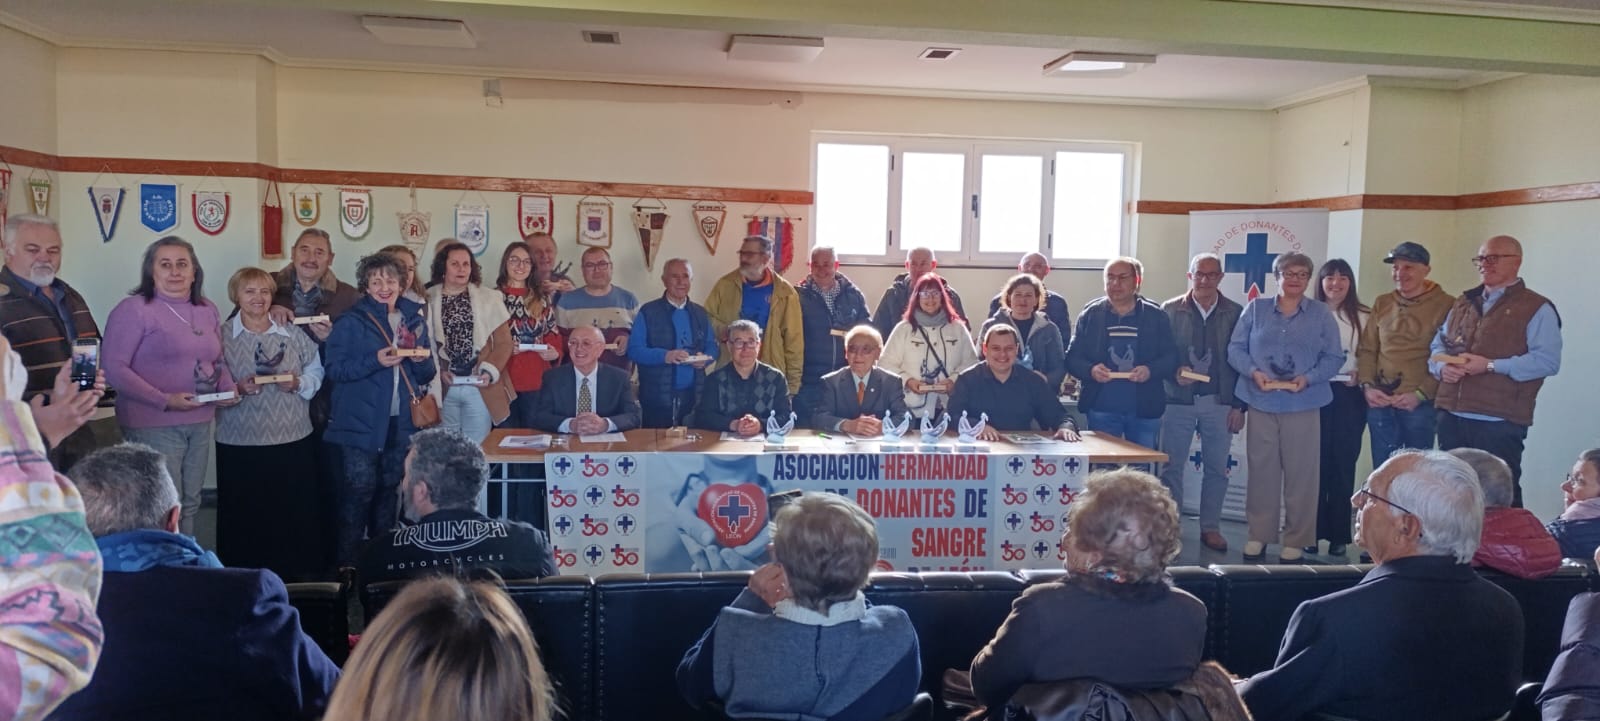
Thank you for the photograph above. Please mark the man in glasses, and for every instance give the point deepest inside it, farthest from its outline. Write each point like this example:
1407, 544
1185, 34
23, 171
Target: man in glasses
599, 304
1498, 344
1121, 353
855, 397
1422, 635
830, 305
897, 297
674, 344
1200, 395
756, 293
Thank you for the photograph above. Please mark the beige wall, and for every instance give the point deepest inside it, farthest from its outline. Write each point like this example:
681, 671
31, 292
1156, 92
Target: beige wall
28, 75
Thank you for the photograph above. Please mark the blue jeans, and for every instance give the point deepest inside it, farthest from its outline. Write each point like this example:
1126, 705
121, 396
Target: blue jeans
1126, 426
463, 411
1393, 429
1178, 429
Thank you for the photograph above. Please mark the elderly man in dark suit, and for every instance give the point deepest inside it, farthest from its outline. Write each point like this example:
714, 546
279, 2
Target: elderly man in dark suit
855, 397
1422, 636
584, 396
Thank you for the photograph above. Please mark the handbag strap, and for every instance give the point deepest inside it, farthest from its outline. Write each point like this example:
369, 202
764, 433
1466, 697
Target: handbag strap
410, 388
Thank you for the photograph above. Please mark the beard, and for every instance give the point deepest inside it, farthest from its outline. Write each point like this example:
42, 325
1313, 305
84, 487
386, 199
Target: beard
41, 274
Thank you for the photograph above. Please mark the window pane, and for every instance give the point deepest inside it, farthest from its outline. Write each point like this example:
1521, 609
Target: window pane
1088, 206
853, 198
931, 203
1010, 194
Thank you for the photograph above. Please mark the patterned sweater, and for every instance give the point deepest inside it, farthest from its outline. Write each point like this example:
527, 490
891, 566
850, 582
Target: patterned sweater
726, 396
50, 638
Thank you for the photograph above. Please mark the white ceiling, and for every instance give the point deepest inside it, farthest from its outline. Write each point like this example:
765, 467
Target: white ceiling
531, 48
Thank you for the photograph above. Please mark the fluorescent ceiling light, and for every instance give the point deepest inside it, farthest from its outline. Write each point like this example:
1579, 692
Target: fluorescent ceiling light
774, 48
1081, 64
420, 32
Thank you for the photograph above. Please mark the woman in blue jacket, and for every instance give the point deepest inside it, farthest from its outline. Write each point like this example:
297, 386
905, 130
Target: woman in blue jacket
372, 393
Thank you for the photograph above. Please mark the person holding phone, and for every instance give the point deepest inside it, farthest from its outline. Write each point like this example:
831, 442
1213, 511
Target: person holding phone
163, 353
266, 453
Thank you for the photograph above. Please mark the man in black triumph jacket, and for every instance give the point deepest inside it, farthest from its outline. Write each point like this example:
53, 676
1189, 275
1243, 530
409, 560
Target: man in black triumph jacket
444, 474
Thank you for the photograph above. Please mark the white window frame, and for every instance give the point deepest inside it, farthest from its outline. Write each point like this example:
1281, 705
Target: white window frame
974, 149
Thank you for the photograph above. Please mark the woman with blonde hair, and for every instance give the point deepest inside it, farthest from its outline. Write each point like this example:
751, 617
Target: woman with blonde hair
445, 649
1115, 617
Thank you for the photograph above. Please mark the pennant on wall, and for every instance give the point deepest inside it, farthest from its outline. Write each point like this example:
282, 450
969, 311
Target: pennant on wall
780, 230
355, 212
594, 223
472, 227
651, 222
39, 195
414, 226
533, 214
708, 219
307, 207
210, 209
107, 203
271, 221
158, 206
5, 193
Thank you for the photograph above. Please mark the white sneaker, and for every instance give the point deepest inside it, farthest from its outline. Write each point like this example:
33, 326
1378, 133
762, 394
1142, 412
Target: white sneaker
1290, 554
1254, 548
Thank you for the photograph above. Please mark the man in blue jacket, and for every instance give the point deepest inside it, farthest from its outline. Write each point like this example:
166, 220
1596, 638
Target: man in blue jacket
185, 637
1121, 353
668, 335
830, 305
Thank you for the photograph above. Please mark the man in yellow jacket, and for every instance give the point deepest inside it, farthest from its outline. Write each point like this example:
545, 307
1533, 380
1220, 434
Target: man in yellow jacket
755, 293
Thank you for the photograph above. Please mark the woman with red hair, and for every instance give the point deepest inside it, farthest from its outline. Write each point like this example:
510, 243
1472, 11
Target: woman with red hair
929, 347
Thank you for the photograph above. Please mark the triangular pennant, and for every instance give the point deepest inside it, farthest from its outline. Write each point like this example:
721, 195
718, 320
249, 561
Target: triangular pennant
355, 212
107, 202
158, 206
472, 227
39, 196
651, 224
708, 219
210, 209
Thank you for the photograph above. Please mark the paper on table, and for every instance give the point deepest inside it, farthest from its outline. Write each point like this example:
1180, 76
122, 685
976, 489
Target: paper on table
534, 441
1024, 439
858, 437
603, 438
731, 436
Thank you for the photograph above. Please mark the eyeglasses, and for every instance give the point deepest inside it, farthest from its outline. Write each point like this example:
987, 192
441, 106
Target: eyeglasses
1365, 491
1207, 276
1483, 260
1119, 277
602, 265
1295, 275
861, 349
744, 344
518, 261
930, 293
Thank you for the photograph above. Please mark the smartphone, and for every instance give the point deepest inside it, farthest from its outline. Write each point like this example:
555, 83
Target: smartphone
85, 362
778, 500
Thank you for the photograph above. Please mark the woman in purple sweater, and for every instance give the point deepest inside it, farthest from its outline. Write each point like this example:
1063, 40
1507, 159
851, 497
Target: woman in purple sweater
162, 350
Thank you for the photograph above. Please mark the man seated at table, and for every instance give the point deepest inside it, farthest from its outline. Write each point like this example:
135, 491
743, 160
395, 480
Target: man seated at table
1423, 636
445, 472
741, 395
855, 397
584, 396
1015, 399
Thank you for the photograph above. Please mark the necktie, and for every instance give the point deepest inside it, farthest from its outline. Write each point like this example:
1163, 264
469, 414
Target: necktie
861, 392
585, 399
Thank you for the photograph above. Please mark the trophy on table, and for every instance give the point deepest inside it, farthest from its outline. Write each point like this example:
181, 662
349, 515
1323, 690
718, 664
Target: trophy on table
1123, 364
932, 432
777, 434
1199, 369
967, 432
893, 432
1283, 372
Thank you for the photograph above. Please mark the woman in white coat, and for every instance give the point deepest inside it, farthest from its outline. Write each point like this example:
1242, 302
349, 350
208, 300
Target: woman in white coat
929, 347
468, 324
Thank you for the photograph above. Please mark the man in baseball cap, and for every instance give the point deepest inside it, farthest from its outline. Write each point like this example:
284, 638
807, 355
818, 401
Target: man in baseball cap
1392, 360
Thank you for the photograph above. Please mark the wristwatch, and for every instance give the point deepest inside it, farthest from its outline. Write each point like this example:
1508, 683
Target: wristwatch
1489, 368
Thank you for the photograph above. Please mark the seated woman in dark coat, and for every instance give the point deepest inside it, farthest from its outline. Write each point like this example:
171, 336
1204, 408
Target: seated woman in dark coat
741, 395
1578, 528
1115, 617
801, 641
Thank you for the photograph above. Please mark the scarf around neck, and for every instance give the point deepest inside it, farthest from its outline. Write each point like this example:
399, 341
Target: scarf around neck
930, 320
1583, 510
853, 609
144, 549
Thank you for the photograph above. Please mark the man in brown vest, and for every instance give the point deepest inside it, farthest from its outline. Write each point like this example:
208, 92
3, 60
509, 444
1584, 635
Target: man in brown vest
1506, 340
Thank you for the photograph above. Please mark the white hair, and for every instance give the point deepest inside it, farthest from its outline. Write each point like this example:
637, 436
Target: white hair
744, 326
1442, 491
15, 223
1194, 263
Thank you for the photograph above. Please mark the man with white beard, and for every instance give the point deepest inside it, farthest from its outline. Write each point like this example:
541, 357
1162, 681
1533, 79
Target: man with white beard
41, 315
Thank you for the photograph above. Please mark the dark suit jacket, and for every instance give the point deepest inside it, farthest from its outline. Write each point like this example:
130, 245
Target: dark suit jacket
1421, 637
202, 643
884, 393
613, 398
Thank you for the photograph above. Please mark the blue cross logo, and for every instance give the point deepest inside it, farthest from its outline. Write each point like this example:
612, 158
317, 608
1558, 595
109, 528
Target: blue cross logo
626, 464
593, 553
563, 465
586, 519
594, 494
1232, 463
1065, 490
1016, 465
1043, 492
1035, 516
1196, 460
1040, 548
1013, 520
625, 523
733, 509
1255, 263
1071, 464
563, 525
1007, 488
1006, 546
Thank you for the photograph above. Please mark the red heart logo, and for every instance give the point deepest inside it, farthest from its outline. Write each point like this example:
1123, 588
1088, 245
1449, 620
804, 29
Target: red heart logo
735, 513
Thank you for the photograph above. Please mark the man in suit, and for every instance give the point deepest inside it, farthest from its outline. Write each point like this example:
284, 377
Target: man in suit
184, 636
1422, 636
585, 397
855, 396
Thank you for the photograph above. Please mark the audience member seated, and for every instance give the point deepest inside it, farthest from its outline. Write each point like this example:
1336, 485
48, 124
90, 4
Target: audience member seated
801, 641
586, 396
445, 649
855, 397
1578, 528
185, 637
1015, 399
1115, 617
1514, 541
741, 395
445, 471
1572, 689
1422, 636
